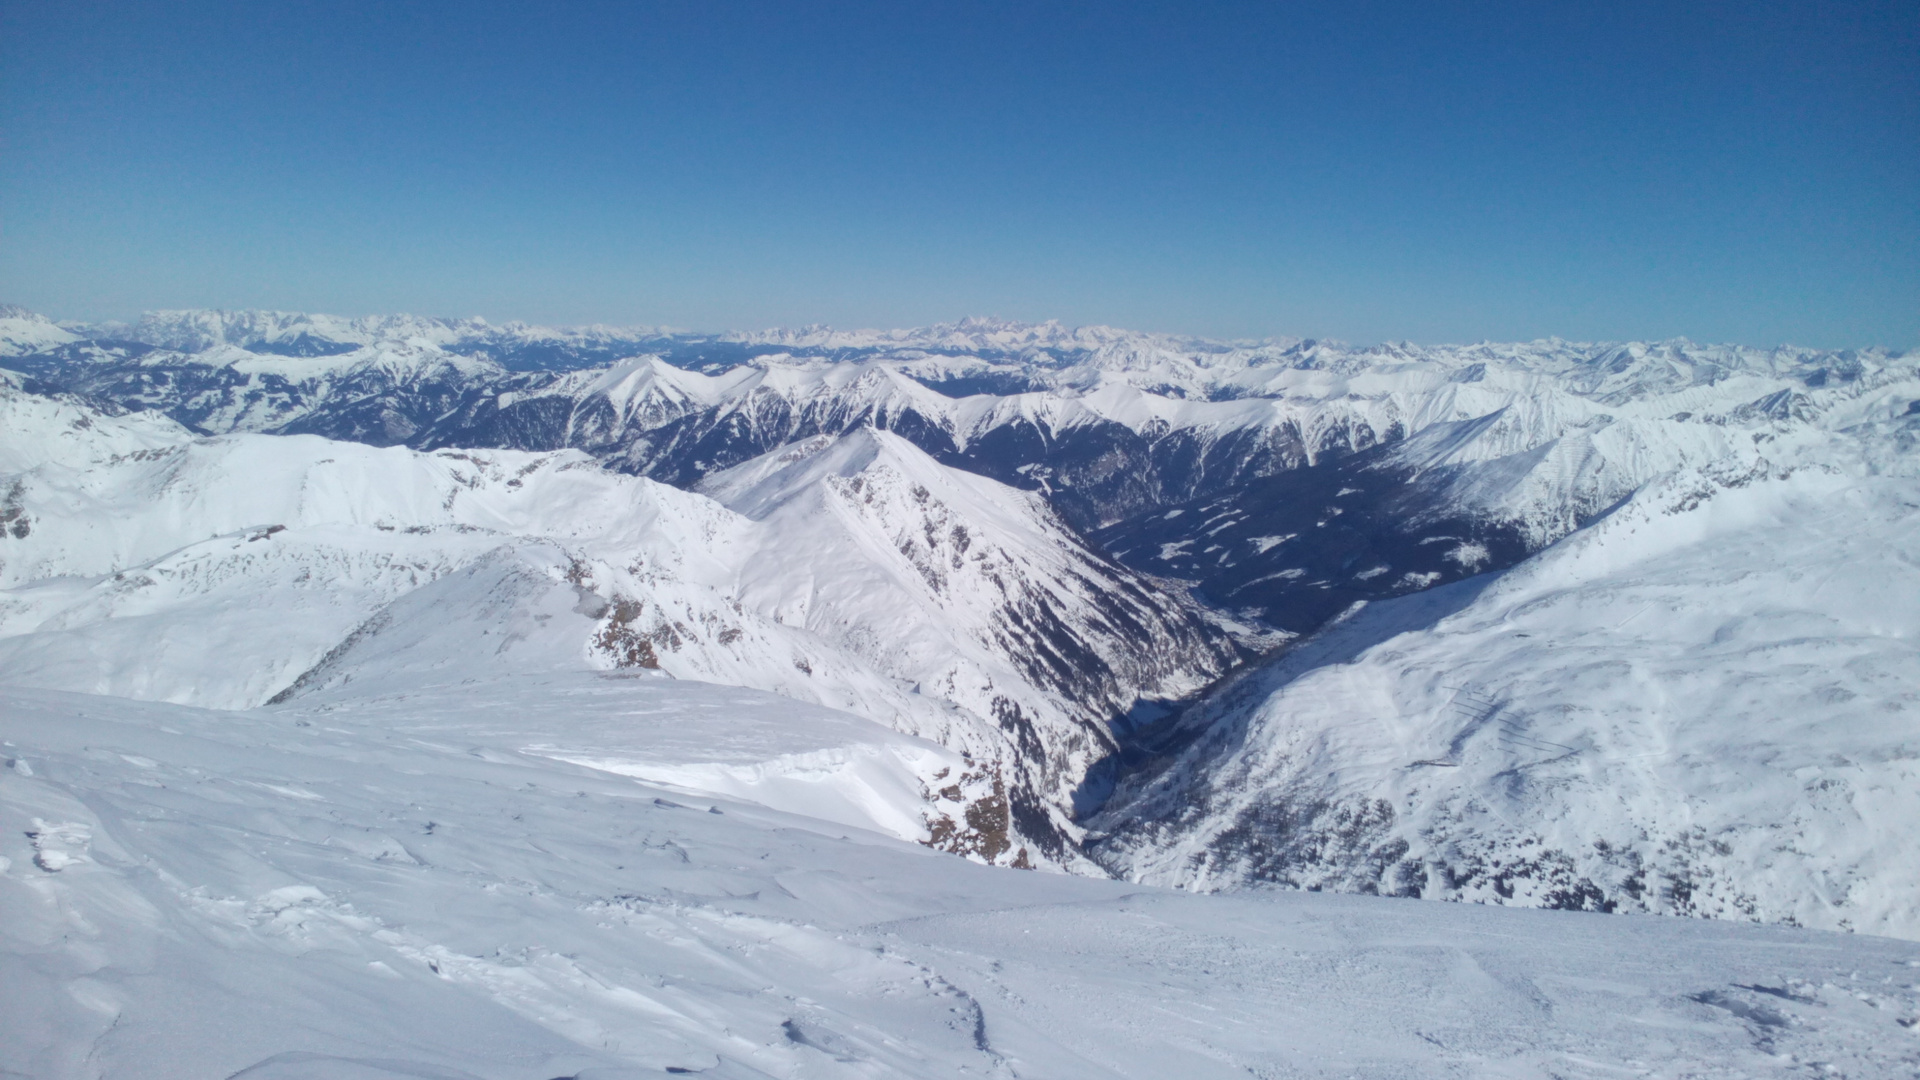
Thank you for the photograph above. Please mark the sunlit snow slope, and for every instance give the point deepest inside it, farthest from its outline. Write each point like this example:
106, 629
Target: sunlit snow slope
468, 881
1706, 703
143, 562
885, 551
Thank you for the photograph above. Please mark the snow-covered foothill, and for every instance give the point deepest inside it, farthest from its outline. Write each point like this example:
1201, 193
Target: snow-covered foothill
215, 571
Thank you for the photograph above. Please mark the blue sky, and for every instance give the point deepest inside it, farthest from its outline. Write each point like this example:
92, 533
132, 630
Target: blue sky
1430, 171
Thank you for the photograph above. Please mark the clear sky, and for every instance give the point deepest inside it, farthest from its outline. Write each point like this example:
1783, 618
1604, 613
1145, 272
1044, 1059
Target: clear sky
1434, 171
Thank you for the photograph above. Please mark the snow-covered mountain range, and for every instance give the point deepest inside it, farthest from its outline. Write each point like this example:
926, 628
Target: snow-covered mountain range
1518, 443
232, 571
1638, 622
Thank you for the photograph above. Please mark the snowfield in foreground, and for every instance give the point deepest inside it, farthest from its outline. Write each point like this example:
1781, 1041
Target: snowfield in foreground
457, 881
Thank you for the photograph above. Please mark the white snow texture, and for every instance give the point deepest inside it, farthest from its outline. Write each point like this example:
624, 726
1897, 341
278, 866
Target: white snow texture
332, 760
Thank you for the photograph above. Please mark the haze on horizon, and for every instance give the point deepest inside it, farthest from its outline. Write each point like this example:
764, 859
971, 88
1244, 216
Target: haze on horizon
1365, 172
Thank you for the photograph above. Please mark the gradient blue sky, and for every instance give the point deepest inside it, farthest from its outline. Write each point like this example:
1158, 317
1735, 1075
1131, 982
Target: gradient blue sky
1434, 171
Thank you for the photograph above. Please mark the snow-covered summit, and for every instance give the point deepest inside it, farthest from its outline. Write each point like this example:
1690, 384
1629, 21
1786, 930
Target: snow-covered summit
976, 589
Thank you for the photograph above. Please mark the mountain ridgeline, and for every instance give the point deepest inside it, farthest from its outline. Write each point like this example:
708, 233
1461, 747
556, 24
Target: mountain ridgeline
1121, 574
1297, 455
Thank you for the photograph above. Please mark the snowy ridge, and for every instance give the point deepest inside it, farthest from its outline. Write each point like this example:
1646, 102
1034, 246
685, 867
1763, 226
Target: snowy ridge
1511, 444
1705, 703
1333, 394
301, 334
942, 548
335, 563
226, 572
23, 332
37, 430
1457, 497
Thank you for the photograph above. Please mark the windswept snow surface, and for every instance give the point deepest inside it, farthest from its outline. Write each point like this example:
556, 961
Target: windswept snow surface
1705, 703
458, 881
